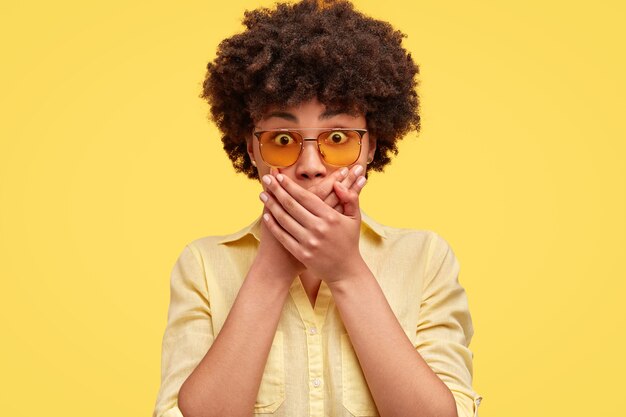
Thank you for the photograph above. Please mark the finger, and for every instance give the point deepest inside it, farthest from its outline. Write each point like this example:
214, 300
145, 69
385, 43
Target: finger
357, 186
287, 223
325, 187
281, 235
290, 203
332, 199
304, 205
352, 176
349, 181
349, 199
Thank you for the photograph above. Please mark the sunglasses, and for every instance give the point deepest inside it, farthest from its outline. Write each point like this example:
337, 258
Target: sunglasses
281, 148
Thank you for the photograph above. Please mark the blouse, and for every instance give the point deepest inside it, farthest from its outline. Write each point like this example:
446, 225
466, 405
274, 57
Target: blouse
312, 369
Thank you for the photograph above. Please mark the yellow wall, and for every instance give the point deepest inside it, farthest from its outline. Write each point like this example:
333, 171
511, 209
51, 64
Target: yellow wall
109, 166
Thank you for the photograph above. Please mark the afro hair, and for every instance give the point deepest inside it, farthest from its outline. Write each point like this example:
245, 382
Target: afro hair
313, 49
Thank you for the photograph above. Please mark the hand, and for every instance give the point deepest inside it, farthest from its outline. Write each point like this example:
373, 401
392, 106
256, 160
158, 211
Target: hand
325, 189
271, 249
324, 241
279, 260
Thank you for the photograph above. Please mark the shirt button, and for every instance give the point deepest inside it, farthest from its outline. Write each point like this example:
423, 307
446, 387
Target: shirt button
317, 382
313, 330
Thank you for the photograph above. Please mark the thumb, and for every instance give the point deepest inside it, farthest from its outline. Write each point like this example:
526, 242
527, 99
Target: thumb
348, 198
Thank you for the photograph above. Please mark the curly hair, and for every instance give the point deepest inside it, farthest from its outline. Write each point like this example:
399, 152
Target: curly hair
313, 49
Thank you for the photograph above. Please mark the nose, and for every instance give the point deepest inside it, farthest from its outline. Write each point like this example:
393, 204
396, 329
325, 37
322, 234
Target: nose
310, 165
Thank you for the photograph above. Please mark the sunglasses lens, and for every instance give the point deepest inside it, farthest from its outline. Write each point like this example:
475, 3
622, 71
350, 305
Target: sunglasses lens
340, 147
280, 149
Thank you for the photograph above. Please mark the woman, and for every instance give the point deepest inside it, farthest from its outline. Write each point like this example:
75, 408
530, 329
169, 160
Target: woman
315, 309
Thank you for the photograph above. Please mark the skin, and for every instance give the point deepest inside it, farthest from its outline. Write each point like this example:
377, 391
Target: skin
326, 243
302, 235
313, 176
310, 170
227, 379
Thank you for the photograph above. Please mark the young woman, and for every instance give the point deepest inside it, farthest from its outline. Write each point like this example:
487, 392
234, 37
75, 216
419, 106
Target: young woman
315, 309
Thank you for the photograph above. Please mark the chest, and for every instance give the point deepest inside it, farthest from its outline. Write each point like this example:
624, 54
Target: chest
311, 286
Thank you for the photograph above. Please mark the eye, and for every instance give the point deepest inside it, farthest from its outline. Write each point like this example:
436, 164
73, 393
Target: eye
283, 139
337, 138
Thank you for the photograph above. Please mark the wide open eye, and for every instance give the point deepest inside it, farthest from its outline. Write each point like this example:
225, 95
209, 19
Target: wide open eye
283, 139
336, 137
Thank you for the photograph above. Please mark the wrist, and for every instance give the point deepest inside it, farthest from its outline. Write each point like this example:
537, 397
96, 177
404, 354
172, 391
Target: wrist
350, 276
265, 270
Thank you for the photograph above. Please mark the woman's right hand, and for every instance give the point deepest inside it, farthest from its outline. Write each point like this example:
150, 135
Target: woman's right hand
276, 258
279, 259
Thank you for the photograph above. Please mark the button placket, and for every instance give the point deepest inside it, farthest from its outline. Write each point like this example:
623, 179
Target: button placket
313, 322
316, 370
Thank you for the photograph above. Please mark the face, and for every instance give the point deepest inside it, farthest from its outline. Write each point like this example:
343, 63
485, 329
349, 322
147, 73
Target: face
310, 168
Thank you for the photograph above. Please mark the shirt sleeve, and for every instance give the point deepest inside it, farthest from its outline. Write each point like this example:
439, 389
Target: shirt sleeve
444, 328
189, 331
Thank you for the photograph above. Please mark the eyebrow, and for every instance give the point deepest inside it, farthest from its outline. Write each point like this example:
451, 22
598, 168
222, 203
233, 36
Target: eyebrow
292, 118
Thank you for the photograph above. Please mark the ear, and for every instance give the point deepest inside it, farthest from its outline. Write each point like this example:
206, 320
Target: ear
250, 148
372, 148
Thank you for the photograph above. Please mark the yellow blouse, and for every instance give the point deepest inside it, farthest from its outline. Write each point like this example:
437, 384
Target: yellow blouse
312, 369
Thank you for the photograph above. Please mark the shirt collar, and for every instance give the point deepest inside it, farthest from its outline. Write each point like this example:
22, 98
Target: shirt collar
254, 229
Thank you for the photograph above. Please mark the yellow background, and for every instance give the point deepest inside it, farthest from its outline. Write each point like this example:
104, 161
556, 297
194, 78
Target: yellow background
109, 166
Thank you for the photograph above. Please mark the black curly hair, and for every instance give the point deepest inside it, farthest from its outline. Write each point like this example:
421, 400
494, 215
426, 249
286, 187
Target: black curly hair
313, 49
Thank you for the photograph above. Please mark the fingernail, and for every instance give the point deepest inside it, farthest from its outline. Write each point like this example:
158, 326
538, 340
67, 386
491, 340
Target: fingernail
266, 217
358, 170
267, 179
263, 197
360, 181
344, 172
279, 177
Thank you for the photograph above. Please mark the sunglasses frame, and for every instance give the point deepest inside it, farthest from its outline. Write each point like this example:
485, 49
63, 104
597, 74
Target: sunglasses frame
361, 133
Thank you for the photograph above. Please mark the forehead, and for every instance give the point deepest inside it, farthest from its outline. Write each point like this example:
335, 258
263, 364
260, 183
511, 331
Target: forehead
309, 109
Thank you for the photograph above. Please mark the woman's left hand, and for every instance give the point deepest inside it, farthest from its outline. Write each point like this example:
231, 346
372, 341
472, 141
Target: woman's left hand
324, 240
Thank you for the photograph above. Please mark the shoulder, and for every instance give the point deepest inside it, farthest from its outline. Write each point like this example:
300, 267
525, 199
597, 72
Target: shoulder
425, 246
207, 242
425, 238
429, 243
216, 249
216, 246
